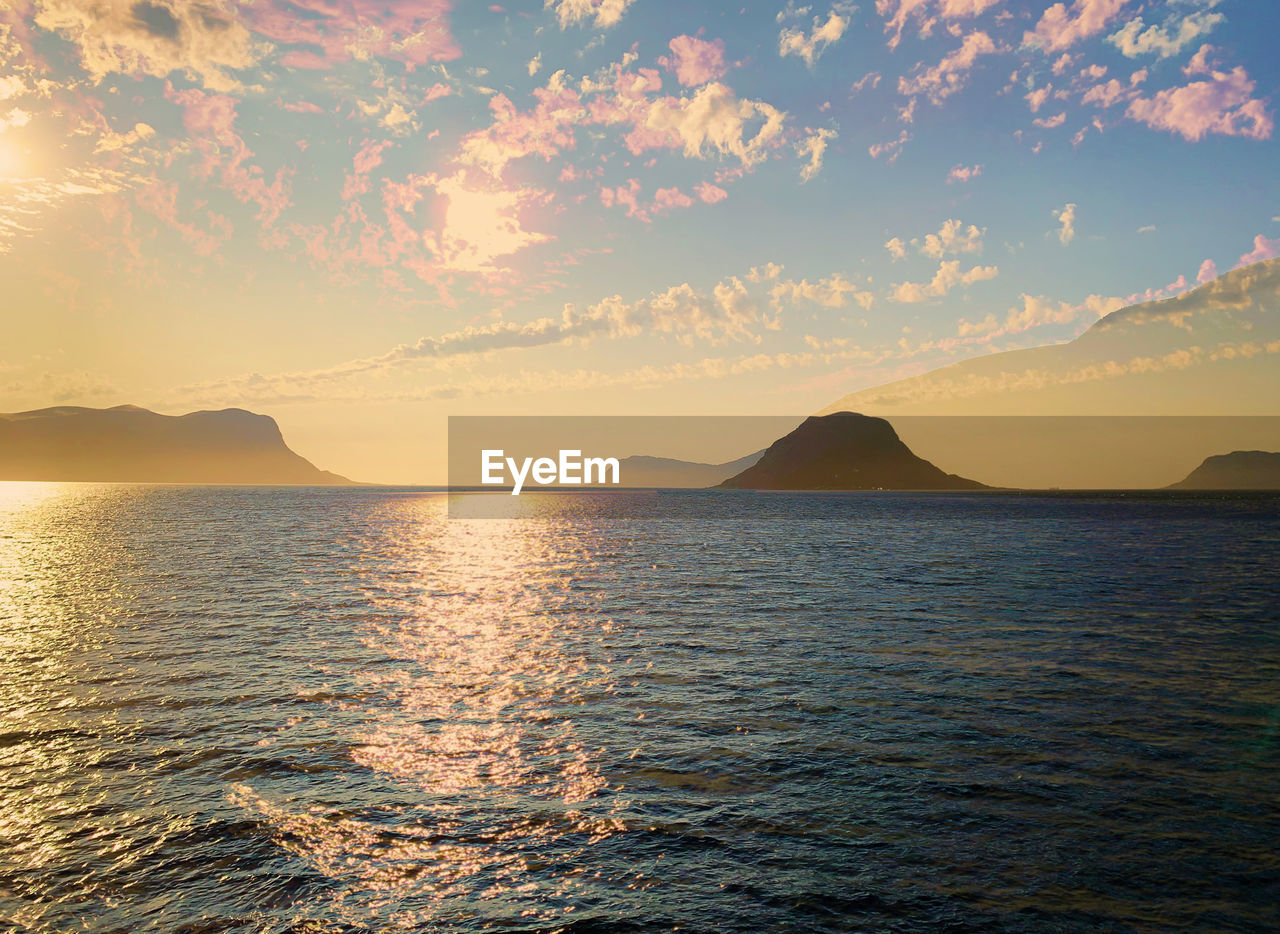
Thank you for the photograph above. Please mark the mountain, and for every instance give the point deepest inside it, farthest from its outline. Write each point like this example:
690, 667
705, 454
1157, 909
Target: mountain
844, 451
1239, 470
1214, 350
131, 444
641, 470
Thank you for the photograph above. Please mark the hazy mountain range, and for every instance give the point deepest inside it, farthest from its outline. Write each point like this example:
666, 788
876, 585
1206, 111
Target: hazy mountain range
1214, 350
1207, 362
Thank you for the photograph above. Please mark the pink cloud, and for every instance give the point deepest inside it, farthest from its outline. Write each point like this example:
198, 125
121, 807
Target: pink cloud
1176, 287
926, 13
668, 199
299, 107
1223, 104
696, 61
366, 159
210, 119
415, 32
1208, 272
1262, 249
948, 76
710, 194
161, 199
1059, 28
546, 130
963, 173
1049, 123
1108, 94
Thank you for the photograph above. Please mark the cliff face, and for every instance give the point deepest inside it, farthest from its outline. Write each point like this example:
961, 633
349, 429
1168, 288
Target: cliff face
131, 444
844, 451
1239, 470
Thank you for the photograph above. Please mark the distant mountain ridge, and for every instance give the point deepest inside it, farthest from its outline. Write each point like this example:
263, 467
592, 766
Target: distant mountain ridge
1239, 470
131, 444
643, 470
844, 451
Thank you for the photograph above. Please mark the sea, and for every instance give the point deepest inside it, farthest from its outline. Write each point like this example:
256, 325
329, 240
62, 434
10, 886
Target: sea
258, 709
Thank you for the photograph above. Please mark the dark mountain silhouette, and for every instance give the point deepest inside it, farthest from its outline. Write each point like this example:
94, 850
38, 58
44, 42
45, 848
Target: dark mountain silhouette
131, 444
1239, 470
643, 470
844, 451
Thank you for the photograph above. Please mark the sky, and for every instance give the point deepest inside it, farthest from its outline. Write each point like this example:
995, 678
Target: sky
362, 217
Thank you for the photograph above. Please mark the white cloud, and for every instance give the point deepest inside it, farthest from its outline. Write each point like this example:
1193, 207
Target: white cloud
813, 147
204, 41
793, 41
535, 64
1066, 223
952, 237
947, 278
1167, 40
604, 13
716, 118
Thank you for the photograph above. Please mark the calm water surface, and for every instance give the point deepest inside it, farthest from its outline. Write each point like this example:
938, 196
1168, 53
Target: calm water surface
308, 710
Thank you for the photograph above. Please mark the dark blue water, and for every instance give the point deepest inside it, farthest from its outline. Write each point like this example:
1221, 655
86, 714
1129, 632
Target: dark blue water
270, 710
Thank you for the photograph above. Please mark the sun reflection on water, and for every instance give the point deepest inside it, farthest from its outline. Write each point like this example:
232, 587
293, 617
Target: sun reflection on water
475, 718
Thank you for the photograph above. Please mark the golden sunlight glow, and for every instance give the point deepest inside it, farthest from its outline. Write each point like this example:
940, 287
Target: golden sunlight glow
12, 159
481, 225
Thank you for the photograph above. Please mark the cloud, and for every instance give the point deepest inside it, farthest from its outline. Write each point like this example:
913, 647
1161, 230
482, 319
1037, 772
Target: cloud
1050, 123
210, 121
535, 64
1166, 41
709, 193
1035, 99
481, 224
892, 148
1262, 249
545, 130
317, 34
923, 11
897, 249
793, 41
948, 76
1066, 223
202, 40
714, 119
604, 13
1059, 28
696, 61
831, 292
947, 278
114, 142
813, 147
1208, 272
765, 273
870, 80
952, 237
1223, 104
963, 173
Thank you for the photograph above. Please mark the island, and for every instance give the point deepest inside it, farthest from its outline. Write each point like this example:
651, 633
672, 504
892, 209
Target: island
844, 451
131, 444
1239, 470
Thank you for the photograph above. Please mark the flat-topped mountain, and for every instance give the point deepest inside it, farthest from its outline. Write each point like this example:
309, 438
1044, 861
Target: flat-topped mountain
130, 444
844, 451
1239, 470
